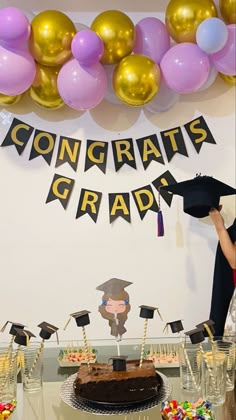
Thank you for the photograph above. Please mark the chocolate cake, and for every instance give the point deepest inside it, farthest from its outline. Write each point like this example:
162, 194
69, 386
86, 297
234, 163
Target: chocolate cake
103, 384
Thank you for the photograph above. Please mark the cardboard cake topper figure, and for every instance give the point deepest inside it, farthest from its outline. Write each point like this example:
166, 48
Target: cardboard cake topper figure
115, 305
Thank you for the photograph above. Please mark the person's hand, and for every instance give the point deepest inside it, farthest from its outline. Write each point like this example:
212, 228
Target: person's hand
217, 218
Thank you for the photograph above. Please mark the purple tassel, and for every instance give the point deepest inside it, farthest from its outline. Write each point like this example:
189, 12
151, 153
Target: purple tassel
160, 224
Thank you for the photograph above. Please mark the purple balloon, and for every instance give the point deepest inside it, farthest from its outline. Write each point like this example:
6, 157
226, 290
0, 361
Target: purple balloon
82, 88
87, 47
185, 67
152, 38
17, 71
224, 60
14, 25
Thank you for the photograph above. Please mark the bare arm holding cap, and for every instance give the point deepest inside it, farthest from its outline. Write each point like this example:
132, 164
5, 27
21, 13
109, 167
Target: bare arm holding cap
227, 246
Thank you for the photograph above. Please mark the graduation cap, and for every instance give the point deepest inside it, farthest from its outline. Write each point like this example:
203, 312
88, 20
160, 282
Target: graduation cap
196, 335
14, 325
23, 336
147, 312
47, 330
113, 286
200, 194
175, 326
119, 362
81, 318
208, 327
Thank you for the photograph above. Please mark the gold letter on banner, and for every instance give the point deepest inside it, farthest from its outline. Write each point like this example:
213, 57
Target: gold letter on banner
18, 135
60, 189
89, 202
94, 155
199, 132
43, 145
119, 206
149, 150
145, 200
173, 142
123, 152
68, 151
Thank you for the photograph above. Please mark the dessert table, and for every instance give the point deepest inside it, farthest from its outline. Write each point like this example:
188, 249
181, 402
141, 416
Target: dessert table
48, 405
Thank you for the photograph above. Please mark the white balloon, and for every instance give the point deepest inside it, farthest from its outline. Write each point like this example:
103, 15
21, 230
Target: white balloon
164, 99
80, 26
110, 95
210, 80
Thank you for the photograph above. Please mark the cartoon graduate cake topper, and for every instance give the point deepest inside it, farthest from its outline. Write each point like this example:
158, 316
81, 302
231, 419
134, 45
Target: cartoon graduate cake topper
115, 305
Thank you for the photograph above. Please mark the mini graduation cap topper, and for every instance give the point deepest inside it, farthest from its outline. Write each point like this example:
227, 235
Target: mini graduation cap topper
119, 362
23, 336
147, 312
196, 335
14, 325
200, 194
113, 286
47, 330
81, 318
207, 327
175, 326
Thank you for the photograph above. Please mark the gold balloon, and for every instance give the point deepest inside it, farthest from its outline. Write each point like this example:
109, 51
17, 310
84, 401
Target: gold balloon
117, 31
136, 79
228, 10
184, 16
230, 80
44, 88
9, 100
51, 35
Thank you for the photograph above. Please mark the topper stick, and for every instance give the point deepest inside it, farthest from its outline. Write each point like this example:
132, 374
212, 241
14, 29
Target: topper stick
207, 365
38, 354
189, 364
143, 341
86, 347
13, 358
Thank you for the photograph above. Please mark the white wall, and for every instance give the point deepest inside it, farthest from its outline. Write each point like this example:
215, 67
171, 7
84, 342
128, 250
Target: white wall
50, 263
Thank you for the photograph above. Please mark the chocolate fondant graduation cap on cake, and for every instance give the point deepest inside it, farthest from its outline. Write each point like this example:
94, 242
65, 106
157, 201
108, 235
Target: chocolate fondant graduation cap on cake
47, 330
113, 286
200, 194
14, 325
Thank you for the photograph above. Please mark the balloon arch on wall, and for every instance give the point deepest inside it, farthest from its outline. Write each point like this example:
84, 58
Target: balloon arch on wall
148, 64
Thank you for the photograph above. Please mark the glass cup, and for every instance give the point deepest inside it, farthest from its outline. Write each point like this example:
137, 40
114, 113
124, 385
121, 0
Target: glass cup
190, 367
228, 349
8, 374
214, 365
32, 369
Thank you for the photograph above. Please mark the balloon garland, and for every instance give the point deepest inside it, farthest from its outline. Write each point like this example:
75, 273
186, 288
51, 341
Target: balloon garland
58, 63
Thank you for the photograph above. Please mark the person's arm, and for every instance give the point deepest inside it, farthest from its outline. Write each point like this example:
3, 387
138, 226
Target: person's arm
227, 246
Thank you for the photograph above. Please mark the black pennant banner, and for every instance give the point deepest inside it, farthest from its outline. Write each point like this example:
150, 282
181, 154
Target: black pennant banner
119, 206
96, 155
165, 179
68, 151
199, 133
173, 142
43, 145
149, 150
89, 203
123, 152
18, 135
60, 189
145, 200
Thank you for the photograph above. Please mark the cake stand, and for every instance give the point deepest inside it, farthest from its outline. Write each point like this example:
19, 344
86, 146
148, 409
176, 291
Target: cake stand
68, 396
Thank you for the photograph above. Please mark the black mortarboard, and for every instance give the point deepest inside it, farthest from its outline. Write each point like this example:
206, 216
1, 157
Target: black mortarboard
81, 318
210, 324
196, 335
176, 326
200, 194
147, 312
113, 286
47, 330
119, 362
23, 336
14, 325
